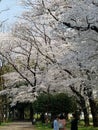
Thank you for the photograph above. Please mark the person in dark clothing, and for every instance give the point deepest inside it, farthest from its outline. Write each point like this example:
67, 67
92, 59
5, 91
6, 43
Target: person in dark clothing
42, 118
74, 122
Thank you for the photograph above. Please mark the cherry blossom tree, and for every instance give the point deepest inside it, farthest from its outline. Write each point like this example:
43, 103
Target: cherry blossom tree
74, 24
60, 37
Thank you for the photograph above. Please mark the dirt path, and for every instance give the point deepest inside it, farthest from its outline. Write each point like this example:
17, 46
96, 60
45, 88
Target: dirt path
18, 126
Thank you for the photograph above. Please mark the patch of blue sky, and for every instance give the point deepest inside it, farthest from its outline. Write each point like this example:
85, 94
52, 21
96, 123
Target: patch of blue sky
13, 10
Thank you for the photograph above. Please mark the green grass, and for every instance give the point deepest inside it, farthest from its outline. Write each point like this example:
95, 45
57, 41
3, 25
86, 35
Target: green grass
40, 126
3, 124
88, 128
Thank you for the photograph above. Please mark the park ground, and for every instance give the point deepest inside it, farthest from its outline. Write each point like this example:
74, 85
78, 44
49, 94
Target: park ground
18, 126
29, 126
22, 126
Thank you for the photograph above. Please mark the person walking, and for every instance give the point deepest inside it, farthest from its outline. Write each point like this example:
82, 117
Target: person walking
56, 123
62, 122
74, 122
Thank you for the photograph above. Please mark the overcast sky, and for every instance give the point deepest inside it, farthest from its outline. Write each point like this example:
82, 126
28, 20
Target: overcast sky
14, 10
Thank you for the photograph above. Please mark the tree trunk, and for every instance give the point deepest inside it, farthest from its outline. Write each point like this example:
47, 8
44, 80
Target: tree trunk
82, 103
92, 103
86, 117
94, 112
21, 114
31, 113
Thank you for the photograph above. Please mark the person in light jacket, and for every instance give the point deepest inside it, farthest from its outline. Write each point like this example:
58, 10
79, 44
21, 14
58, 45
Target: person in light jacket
56, 123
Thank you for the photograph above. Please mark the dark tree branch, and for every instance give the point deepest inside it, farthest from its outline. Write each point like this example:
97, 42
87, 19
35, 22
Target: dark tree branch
24, 77
79, 28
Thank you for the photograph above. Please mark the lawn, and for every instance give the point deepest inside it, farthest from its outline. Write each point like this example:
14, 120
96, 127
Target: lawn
40, 126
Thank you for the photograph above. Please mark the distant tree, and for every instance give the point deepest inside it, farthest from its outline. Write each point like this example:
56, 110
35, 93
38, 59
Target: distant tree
63, 103
55, 104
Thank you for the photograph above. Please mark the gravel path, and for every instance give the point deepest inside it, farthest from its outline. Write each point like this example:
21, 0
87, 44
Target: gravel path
18, 126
